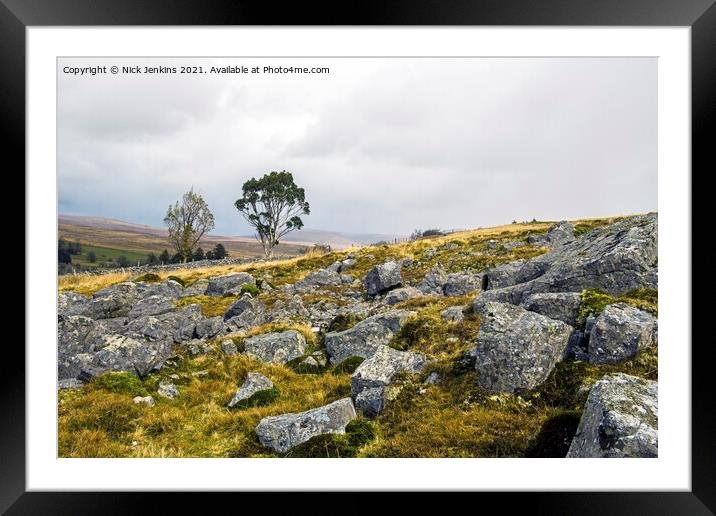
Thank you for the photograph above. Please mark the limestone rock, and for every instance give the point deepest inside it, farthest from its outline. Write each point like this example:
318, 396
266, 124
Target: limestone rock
276, 348
254, 383
229, 283
401, 294
619, 332
383, 278
563, 306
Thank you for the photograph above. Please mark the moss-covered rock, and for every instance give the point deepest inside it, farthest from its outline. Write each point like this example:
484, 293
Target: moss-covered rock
252, 290
359, 432
149, 277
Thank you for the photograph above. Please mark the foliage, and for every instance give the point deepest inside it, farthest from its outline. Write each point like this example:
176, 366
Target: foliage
273, 205
149, 277
123, 261
248, 288
198, 254
187, 221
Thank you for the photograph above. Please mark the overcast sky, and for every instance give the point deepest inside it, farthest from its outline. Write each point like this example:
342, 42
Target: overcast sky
380, 145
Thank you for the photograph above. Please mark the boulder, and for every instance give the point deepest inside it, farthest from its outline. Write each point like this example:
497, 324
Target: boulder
228, 347
244, 313
321, 278
366, 336
517, 349
620, 419
383, 277
379, 371
70, 303
561, 233
120, 353
453, 314
563, 306
432, 283
210, 327
281, 433
619, 332
198, 288
114, 301
401, 294
461, 284
254, 383
229, 283
616, 258
167, 288
276, 348
77, 335
151, 305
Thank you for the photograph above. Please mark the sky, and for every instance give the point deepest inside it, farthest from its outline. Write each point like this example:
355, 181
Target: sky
379, 145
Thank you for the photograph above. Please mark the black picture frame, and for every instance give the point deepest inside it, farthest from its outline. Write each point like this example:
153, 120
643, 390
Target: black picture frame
699, 15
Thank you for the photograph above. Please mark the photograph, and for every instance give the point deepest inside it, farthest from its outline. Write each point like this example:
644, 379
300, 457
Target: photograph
364, 257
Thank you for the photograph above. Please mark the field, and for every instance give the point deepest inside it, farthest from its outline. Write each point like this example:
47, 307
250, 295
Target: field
106, 256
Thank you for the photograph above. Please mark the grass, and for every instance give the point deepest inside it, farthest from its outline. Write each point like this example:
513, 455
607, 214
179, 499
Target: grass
453, 418
594, 301
107, 256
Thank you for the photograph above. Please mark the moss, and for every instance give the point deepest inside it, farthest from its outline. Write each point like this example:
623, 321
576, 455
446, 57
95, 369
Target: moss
593, 302
211, 306
342, 322
179, 280
301, 368
359, 432
348, 366
120, 383
250, 289
149, 277
418, 329
555, 436
260, 399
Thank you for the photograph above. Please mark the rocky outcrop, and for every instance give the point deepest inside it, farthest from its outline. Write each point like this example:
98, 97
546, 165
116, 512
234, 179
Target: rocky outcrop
281, 433
229, 283
244, 313
369, 380
458, 284
152, 305
383, 278
453, 314
320, 278
561, 233
198, 288
432, 283
111, 302
255, 382
517, 349
616, 258
120, 353
276, 348
620, 419
619, 332
366, 337
562, 306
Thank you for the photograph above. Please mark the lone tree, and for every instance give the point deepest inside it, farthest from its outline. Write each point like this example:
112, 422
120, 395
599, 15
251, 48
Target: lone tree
272, 205
188, 220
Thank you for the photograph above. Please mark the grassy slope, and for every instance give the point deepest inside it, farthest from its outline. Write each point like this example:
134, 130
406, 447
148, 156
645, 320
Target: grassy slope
452, 419
106, 254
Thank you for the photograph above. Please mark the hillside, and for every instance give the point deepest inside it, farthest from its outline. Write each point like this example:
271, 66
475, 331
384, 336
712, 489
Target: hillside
138, 238
515, 341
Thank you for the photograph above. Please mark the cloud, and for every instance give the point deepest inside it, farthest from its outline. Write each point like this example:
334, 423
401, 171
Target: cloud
380, 145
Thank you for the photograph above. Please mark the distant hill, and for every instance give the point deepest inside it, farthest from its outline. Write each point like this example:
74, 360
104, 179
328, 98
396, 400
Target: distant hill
337, 240
140, 238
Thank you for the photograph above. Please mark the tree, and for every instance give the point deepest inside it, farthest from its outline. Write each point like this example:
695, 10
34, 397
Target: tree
63, 255
164, 256
92, 257
188, 220
272, 205
219, 252
123, 261
152, 259
199, 254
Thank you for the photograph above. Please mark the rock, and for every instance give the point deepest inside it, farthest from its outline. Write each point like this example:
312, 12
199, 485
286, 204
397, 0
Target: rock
145, 400
620, 419
561, 233
276, 348
209, 328
230, 283
619, 332
375, 373
148, 328
383, 278
69, 383
151, 305
114, 301
167, 390
316, 359
254, 383
228, 347
432, 283
429, 253
281, 433
450, 246
537, 240
70, 303
366, 336
198, 288
453, 314
121, 353
461, 284
293, 310
563, 306
347, 264
616, 258
197, 347
433, 378
401, 294
168, 288
320, 278
517, 349
244, 313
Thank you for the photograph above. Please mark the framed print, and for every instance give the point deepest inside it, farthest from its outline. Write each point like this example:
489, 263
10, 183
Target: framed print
425, 249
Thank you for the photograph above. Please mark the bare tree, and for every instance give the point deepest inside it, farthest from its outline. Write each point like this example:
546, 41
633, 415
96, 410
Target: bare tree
188, 220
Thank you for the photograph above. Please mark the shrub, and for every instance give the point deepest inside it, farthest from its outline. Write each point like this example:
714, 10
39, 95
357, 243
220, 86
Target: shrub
348, 366
120, 383
149, 277
250, 289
